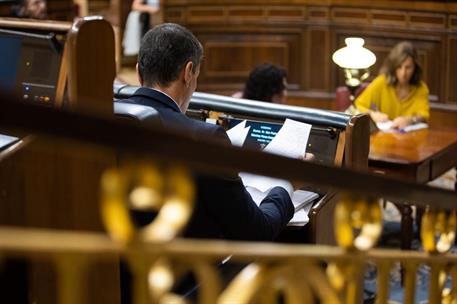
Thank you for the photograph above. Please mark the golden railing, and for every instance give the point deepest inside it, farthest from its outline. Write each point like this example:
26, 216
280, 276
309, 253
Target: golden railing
303, 273
300, 273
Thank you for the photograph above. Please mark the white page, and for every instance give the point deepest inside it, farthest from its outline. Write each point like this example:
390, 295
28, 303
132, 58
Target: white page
238, 134
385, 125
301, 217
300, 198
414, 127
6, 140
265, 183
291, 140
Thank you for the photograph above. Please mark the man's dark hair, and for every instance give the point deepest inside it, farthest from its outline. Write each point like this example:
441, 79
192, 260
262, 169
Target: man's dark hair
265, 81
164, 52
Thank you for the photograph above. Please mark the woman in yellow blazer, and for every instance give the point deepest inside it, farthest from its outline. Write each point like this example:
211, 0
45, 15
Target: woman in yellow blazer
398, 93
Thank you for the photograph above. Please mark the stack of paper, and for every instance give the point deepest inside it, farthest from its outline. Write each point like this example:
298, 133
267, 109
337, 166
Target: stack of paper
290, 141
386, 126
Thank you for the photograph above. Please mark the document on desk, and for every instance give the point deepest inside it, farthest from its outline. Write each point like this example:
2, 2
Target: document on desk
386, 126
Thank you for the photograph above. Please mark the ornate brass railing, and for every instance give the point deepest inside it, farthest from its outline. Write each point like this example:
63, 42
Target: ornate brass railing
303, 274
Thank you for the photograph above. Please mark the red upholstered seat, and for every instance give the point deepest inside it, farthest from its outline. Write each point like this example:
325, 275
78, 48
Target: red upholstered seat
343, 96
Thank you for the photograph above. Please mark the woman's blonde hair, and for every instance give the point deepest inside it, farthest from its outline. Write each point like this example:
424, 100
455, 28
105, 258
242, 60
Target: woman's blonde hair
397, 55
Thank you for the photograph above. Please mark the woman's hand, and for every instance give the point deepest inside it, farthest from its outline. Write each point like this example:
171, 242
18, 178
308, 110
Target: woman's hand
379, 116
401, 122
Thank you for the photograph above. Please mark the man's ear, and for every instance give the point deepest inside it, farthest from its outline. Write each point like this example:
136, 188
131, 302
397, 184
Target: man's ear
140, 79
188, 73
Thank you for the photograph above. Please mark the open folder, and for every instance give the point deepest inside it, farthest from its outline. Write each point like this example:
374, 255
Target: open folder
290, 141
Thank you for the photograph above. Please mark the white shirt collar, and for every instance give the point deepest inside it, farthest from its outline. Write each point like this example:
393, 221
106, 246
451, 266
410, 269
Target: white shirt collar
167, 96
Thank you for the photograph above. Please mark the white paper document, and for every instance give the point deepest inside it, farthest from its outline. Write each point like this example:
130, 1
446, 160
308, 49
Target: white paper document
291, 140
414, 127
301, 217
300, 198
238, 134
6, 140
386, 126
265, 183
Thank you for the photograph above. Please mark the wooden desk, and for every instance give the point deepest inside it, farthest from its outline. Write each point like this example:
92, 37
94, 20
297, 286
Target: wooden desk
419, 156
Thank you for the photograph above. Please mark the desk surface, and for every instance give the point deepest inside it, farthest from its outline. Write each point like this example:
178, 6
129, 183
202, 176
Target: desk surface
420, 155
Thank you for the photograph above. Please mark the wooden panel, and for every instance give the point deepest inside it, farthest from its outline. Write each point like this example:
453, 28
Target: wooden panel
452, 72
246, 13
206, 14
443, 119
317, 63
453, 22
319, 28
175, 15
248, 53
383, 17
289, 14
61, 10
427, 20
230, 58
350, 15
318, 13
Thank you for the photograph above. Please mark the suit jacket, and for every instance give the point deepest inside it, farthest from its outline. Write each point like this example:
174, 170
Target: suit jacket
223, 209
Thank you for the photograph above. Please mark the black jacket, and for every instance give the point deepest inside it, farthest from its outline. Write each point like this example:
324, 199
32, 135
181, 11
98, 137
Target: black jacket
224, 209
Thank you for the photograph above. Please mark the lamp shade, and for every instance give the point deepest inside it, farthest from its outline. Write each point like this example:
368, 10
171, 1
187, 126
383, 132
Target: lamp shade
354, 55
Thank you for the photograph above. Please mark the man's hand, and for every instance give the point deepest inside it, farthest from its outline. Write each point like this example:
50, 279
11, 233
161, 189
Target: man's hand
379, 116
299, 184
401, 122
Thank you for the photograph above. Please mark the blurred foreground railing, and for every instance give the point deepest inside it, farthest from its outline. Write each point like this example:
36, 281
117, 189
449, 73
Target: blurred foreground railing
302, 274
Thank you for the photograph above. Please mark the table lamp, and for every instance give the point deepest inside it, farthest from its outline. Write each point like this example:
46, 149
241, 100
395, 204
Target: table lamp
355, 60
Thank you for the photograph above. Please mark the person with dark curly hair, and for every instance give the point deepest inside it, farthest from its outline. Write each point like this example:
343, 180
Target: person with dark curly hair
266, 82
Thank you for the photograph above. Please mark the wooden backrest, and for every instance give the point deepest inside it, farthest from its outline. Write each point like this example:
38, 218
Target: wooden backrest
53, 184
330, 130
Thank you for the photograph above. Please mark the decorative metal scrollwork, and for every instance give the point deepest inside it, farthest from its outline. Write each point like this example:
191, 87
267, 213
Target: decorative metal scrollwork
298, 283
358, 223
438, 230
167, 192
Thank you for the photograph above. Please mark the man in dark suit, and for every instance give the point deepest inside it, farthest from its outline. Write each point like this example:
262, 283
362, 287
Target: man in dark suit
168, 68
